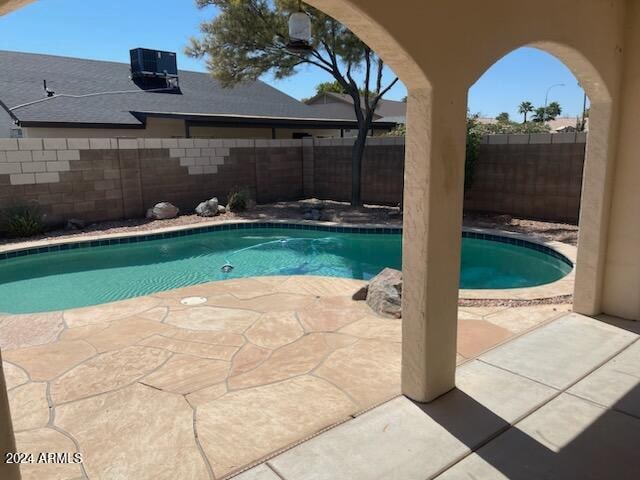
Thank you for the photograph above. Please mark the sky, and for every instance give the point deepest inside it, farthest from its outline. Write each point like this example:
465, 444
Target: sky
107, 30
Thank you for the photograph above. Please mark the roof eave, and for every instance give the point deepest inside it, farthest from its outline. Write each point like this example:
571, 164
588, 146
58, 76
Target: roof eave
48, 124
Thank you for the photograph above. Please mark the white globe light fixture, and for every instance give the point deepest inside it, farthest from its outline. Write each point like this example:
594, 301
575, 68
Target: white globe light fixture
299, 31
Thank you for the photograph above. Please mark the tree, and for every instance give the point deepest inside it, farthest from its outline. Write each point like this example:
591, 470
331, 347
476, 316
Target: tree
553, 110
539, 115
330, 87
524, 108
249, 38
503, 117
550, 113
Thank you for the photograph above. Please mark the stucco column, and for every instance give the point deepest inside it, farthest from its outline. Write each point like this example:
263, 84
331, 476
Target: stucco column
433, 194
595, 204
621, 285
7, 439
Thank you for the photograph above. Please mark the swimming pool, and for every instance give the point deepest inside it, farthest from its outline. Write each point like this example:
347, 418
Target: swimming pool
104, 271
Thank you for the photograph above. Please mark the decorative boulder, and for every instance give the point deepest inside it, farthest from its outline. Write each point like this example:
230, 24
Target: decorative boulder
384, 293
162, 211
208, 208
316, 214
222, 209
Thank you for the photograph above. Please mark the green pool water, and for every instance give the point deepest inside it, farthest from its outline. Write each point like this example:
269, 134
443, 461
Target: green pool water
90, 276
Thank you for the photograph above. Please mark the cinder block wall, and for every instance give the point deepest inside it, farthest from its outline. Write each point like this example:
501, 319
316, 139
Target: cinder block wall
382, 170
106, 179
532, 176
537, 176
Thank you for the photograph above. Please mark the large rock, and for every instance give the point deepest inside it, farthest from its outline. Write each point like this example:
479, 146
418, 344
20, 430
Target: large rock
384, 294
162, 211
208, 208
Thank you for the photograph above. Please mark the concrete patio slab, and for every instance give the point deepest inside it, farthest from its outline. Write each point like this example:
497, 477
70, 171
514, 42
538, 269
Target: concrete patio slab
568, 438
561, 352
403, 440
615, 384
261, 472
484, 388
396, 440
477, 336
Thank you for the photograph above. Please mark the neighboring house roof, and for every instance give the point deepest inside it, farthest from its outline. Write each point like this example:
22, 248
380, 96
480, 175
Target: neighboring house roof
391, 120
559, 124
21, 82
323, 102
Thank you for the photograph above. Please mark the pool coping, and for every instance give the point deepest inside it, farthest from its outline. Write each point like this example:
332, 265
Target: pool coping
560, 250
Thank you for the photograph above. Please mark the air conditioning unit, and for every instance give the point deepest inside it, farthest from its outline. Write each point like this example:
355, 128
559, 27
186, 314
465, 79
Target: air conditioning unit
152, 69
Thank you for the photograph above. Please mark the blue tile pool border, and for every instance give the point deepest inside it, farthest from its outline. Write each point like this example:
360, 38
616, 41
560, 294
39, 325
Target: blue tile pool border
253, 225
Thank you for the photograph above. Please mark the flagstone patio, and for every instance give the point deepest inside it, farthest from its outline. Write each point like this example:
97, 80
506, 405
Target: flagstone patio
203, 381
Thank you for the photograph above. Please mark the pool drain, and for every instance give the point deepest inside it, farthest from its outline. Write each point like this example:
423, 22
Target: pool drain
189, 301
226, 268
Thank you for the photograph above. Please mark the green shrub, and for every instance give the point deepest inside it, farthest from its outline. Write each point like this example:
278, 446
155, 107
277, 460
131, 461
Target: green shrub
237, 201
24, 221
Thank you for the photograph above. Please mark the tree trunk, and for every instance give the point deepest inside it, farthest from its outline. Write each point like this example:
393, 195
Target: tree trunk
356, 167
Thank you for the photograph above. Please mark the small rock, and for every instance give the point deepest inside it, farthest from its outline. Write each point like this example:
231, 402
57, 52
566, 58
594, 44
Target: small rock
162, 211
384, 294
361, 294
75, 224
316, 214
208, 208
222, 209
307, 216
504, 219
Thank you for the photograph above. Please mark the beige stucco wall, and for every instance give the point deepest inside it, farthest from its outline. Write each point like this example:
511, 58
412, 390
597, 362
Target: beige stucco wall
621, 293
155, 128
229, 132
171, 128
281, 133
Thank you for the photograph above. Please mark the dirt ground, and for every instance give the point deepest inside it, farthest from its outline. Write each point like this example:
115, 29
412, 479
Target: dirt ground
332, 212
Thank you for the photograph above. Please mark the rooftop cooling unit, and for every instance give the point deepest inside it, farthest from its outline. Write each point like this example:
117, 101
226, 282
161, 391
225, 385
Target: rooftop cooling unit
154, 69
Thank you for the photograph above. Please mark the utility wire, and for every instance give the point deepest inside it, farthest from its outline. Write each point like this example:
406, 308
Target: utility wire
65, 95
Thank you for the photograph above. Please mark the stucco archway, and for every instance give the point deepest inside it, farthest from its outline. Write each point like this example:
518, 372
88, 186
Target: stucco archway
437, 86
593, 215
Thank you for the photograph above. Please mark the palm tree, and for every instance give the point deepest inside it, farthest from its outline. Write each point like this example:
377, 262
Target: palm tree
524, 108
553, 110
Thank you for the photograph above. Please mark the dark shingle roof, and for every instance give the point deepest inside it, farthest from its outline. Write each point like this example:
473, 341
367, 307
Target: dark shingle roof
386, 108
23, 73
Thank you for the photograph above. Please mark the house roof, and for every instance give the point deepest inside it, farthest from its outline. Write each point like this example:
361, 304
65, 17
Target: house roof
386, 108
558, 124
91, 92
562, 123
